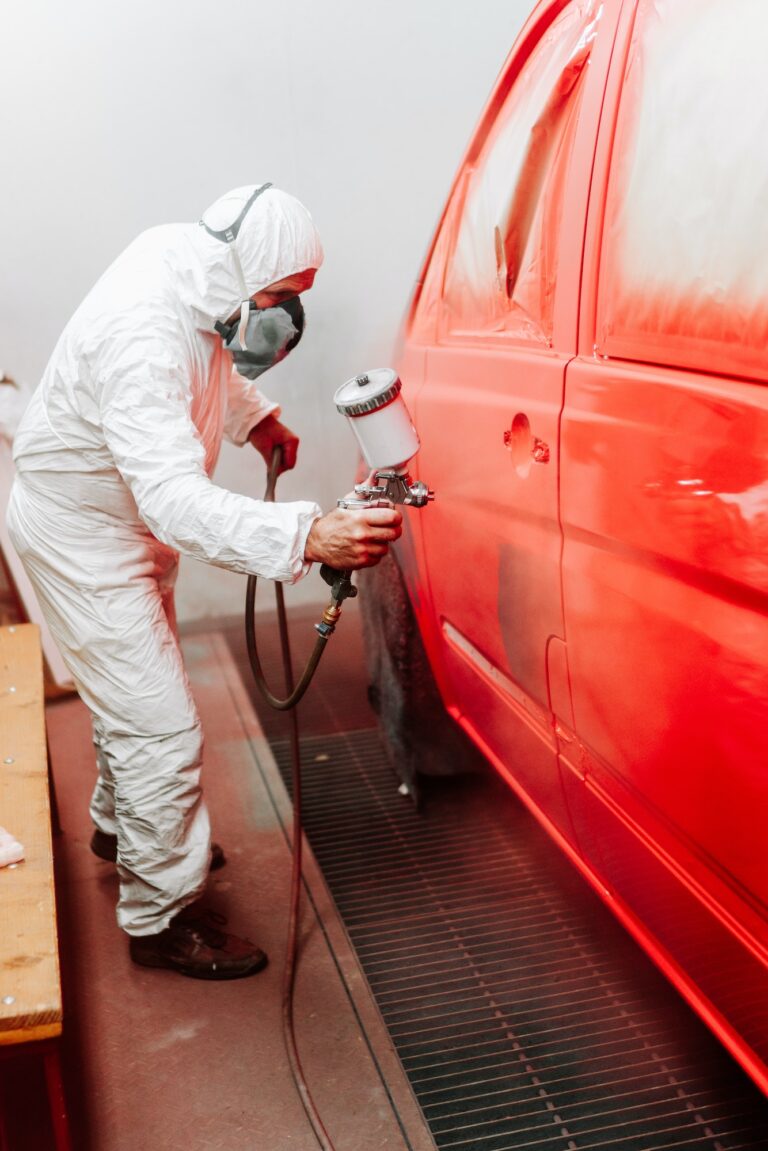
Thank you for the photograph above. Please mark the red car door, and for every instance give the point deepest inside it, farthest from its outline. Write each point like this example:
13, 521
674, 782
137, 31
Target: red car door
498, 318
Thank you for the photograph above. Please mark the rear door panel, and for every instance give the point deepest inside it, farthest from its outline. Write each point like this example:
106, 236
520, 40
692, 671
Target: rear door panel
664, 505
666, 595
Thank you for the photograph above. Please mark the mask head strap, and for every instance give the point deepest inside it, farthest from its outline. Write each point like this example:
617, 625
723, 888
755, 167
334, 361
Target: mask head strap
229, 236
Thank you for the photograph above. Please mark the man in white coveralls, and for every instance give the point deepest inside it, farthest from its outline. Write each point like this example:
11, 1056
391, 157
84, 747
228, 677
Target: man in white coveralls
114, 457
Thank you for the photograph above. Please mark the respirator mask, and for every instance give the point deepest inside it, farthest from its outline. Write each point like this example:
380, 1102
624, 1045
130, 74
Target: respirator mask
260, 337
269, 335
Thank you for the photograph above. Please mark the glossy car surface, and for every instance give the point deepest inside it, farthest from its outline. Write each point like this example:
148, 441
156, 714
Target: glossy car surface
586, 360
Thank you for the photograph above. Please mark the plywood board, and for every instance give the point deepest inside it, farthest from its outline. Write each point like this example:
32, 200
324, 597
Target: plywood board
30, 988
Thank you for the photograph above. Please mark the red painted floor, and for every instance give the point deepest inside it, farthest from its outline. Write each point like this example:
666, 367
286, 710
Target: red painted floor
153, 1060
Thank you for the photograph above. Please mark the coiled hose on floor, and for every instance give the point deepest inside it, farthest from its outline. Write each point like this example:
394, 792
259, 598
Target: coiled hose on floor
288, 703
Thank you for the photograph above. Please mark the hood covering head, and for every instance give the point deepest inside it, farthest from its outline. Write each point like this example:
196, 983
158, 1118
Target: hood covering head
276, 238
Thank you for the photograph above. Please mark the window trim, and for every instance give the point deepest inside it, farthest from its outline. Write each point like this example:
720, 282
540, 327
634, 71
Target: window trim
422, 329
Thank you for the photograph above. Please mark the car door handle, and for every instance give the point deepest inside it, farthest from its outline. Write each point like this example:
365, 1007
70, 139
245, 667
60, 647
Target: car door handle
524, 447
518, 438
539, 451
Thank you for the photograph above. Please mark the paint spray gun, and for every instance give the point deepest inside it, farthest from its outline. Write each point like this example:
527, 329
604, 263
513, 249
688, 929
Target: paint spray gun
388, 441
374, 406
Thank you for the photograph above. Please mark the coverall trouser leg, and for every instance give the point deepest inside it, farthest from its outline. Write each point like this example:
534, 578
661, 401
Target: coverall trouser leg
105, 588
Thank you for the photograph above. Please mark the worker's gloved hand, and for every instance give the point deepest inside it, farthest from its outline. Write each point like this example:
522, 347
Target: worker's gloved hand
346, 539
269, 434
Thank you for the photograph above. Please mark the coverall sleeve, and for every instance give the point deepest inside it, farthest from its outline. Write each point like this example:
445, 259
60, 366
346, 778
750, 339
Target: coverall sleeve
246, 407
145, 410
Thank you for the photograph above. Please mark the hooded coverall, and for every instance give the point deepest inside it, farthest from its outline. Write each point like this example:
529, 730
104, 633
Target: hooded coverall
114, 457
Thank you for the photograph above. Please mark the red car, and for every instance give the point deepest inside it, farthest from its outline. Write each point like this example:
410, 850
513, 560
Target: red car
586, 361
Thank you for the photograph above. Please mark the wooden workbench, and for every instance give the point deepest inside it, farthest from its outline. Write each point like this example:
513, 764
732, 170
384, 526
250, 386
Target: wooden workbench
30, 987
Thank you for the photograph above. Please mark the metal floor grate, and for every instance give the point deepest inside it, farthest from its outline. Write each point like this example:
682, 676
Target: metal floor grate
523, 1016
522, 1013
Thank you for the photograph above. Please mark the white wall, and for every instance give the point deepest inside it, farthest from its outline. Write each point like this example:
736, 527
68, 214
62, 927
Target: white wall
119, 117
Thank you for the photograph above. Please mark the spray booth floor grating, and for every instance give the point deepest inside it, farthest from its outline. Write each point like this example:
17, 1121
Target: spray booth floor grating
522, 1013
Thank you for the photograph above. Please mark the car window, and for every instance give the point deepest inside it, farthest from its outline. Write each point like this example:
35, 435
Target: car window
500, 230
684, 263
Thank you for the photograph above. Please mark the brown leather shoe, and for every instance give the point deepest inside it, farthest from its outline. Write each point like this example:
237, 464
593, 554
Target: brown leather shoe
194, 945
105, 846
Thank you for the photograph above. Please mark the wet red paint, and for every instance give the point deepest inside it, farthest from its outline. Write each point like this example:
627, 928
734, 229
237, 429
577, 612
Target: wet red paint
598, 620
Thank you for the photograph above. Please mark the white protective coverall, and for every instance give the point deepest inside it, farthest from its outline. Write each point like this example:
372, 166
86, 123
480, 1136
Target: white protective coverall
114, 457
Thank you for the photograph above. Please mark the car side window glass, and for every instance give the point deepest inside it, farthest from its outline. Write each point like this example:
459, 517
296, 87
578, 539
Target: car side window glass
684, 261
502, 264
